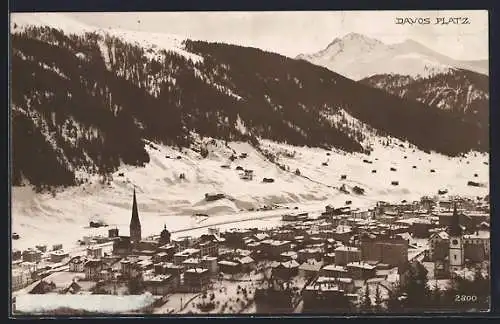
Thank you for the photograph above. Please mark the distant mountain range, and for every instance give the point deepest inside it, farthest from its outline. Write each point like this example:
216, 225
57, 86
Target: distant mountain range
357, 57
412, 71
461, 91
85, 99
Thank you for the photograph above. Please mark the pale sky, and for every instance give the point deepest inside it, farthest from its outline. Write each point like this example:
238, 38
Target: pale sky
296, 32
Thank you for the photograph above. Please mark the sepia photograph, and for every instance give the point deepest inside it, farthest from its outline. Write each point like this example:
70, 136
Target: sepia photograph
265, 163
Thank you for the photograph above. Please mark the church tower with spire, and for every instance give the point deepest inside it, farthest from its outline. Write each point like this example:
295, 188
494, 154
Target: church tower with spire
456, 248
135, 223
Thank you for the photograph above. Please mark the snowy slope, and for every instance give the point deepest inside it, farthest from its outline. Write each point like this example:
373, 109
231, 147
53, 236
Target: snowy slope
165, 199
357, 56
153, 41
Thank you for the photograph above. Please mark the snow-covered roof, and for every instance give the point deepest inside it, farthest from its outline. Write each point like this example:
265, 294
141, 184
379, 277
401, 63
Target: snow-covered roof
323, 279
311, 266
290, 264
334, 267
197, 270
246, 260
478, 235
362, 265
228, 263
347, 249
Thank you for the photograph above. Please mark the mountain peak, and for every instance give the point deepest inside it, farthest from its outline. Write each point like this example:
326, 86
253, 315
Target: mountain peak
354, 38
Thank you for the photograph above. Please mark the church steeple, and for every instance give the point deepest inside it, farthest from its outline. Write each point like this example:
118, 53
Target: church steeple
455, 229
135, 223
164, 235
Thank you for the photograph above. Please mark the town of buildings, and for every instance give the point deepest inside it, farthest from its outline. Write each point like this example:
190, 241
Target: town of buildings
306, 262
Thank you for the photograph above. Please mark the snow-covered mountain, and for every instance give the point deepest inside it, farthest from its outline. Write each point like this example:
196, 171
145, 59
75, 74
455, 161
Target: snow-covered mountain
84, 101
458, 91
357, 56
164, 198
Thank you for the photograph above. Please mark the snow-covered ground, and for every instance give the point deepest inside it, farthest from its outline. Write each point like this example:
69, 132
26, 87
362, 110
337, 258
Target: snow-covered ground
357, 56
107, 304
163, 198
153, 41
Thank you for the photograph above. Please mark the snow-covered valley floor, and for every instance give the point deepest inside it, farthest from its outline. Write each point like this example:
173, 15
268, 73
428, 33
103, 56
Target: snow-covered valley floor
164, 198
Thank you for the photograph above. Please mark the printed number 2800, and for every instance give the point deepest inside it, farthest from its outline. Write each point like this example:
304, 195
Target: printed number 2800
465, 298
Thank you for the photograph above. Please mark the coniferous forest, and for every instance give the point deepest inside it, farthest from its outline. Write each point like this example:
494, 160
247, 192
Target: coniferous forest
86, 102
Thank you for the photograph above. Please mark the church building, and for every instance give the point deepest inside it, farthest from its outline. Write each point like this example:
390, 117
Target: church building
452, 256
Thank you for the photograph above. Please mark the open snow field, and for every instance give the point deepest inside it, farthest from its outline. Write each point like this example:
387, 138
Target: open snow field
163, 198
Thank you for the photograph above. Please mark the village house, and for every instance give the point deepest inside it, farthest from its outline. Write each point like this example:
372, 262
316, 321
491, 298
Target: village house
427, 203
247, 264
346, 254
329, 258
76, 264
229, 267
160, 268
20, 279
260, 236
106, 275
16, 255
469, 220
113, 233
439, 245
94, 252
43, 287
388, 250
310, 268
173, 269
420, 228
234, 237
283, 235
333, 270
189, 253
320, 296
343, 234
209, 248
122, 245
32, 255
169, 249
161, 257
147, 245
130, 268
191, 263
72, 288
477, 246
196, 280
164, 236
58, 256
273, 248
247, 175
309, 253
286, 270
92, 269
361, 270
288, 256
183, 243
345, 284
160, 285
214, 196
210, 263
